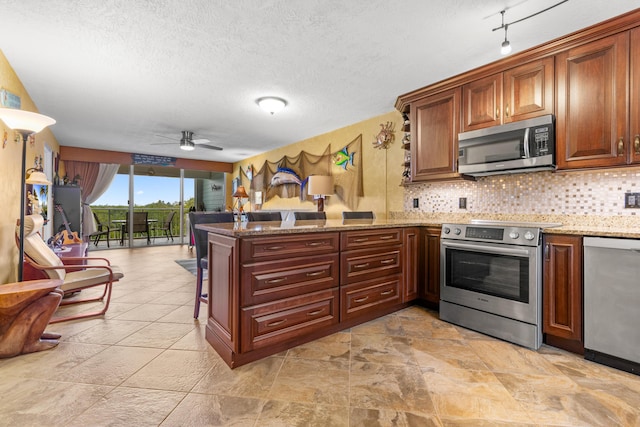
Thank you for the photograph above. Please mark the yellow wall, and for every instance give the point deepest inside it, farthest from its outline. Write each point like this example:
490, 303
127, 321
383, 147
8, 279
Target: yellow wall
382, 169
10, 165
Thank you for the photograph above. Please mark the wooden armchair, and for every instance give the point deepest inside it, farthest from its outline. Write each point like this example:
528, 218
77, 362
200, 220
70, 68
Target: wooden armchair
88, 272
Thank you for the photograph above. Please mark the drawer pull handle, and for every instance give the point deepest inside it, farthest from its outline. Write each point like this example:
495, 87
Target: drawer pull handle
389, 292
387, 261
274, 248
361, 299
277, 323
314, 244
636, 144
361, 239
278, 280
621, 147
389, 237
366, 264
315, 273
315, 313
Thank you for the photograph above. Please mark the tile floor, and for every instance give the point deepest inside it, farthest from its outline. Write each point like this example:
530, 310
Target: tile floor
147, 364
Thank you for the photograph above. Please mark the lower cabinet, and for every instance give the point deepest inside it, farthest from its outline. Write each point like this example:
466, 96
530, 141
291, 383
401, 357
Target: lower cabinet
562, 292
430, 266
270, 293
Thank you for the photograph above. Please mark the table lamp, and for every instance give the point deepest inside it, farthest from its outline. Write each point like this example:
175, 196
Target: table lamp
320, 186
26, 123
240, 194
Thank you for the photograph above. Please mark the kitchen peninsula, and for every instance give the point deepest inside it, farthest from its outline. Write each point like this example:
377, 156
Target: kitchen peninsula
274, 285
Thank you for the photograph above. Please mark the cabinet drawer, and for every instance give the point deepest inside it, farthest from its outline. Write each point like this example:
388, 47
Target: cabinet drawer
287, 246
369, 296
369, 263
268, 281
287, 319
368, 238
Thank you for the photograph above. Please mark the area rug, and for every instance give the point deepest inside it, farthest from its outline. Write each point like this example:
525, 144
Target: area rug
188, 264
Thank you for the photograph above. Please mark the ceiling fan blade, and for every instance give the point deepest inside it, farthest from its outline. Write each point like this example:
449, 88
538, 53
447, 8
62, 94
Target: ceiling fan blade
168, 137
200, 141
210, 147
162, 143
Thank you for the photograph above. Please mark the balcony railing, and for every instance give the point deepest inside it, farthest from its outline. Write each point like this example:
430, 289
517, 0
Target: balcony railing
157, 217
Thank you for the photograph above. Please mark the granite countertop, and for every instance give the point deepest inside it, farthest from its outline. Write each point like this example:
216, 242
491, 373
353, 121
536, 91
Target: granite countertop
623, 227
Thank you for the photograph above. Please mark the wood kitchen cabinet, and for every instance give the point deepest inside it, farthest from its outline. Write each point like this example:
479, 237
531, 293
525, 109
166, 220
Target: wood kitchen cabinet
411, 263
430, 266
435, 124
516, 94
562, 310
592, 127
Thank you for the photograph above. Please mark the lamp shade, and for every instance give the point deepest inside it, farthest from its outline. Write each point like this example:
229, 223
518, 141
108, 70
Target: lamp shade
38, 178
320, 185
25, 120
241, 192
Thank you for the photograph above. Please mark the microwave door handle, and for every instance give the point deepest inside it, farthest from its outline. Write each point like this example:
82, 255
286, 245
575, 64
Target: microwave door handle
489, 249
527, 153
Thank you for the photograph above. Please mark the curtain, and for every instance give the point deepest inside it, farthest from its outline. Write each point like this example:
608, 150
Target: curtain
94, 180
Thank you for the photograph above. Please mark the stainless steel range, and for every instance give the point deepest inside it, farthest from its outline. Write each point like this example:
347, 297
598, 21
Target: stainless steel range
491, 279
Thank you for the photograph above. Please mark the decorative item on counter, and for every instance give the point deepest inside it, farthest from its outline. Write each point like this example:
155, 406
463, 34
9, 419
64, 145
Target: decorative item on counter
239, 194
385, 136
343, 158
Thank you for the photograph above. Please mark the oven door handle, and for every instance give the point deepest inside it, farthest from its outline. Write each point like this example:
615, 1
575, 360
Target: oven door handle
489, 249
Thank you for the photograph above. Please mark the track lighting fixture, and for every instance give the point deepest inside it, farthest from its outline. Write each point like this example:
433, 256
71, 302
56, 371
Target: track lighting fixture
505, 49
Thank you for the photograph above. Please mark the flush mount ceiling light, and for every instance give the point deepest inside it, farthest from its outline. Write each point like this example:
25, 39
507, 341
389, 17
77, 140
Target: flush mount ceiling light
271, 104
505, 48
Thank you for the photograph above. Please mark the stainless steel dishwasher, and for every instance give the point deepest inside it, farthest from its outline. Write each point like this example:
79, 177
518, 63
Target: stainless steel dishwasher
612, 302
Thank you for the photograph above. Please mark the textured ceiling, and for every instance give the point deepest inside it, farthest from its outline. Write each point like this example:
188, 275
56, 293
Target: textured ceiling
117, 73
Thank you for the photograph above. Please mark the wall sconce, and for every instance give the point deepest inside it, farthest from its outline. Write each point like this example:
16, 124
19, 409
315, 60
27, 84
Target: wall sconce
240, 193
320, 186
26, 123
271, 104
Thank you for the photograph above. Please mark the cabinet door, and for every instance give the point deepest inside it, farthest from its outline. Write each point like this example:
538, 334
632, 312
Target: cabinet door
482, 103
435, 121
411, 263
430, 271
528, 91
634, 123
591, 121
562, 290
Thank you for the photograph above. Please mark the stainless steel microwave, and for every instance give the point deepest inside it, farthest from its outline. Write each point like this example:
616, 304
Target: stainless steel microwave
523, 146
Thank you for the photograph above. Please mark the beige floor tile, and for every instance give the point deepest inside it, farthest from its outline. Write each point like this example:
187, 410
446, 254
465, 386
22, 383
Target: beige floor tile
184, 314
175, 298
381, 417
334, 347
444, 355
396, 387
386, 325
157, 335
108, 331
194, 340
215, 410
147, 312
382, 349
277, 414
177, 370
252, 380
129, 407
500, 356
111, 366
312, 381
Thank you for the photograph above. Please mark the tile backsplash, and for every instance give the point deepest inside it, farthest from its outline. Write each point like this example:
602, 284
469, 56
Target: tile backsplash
597, 193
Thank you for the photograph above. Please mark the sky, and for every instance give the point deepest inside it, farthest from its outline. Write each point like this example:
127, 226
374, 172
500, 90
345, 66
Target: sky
146, 189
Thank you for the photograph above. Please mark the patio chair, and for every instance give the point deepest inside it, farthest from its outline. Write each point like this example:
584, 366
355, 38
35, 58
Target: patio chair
309, 215
89, 272
101, 230
140, 225
166, 226
264, 216
201, 243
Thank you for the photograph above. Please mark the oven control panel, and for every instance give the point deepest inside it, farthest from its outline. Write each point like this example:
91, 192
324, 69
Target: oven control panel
511, 235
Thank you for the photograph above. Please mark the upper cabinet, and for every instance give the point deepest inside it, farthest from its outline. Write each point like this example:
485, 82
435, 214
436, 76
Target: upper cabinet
634, 122
435, 124
519, 93
593, 102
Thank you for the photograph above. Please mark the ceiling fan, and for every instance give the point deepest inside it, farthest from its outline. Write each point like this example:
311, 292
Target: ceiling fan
187, 142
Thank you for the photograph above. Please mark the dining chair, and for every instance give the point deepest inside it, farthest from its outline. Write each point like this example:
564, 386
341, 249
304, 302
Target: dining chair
357, 215
140, 225
86, 273
166, 226
264, 216
309, 215
201, 243
101, 230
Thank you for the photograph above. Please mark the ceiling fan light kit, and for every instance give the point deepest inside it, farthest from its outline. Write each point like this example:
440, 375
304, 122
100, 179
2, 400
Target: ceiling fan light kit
187, 143
271, 104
